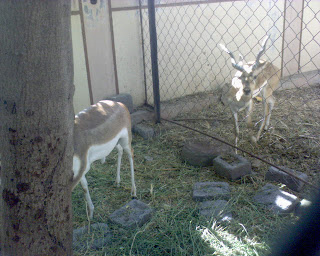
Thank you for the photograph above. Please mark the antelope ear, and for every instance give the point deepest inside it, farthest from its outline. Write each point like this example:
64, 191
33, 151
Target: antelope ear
261, 66
237, 83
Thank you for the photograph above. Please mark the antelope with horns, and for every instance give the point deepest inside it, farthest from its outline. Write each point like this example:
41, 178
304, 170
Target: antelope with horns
97, 131
251, 79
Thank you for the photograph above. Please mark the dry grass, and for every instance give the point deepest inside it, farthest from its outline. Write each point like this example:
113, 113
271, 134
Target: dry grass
165, 183
292, 140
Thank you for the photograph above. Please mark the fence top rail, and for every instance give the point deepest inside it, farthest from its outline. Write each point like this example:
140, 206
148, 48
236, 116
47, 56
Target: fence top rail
187, 3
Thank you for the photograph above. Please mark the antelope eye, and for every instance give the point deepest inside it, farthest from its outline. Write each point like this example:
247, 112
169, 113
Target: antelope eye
254, 77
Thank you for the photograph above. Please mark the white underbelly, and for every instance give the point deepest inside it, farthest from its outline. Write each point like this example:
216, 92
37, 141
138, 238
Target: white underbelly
100, 151
76, 166
97, 152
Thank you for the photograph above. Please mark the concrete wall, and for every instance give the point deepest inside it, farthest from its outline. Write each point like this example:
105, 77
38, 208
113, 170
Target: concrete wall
81, 97
99, 43
94, 58
310, 43
92, 50
128, 51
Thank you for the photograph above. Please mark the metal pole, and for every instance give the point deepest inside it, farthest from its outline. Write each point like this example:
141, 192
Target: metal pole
143, 55
115, 70
154, 59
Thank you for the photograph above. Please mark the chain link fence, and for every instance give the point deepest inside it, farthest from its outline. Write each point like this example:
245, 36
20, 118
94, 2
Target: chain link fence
194, 71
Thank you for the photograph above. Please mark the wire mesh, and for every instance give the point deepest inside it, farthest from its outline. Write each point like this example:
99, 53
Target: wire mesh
194, 71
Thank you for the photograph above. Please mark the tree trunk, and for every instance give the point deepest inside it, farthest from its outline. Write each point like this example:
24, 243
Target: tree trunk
36, 127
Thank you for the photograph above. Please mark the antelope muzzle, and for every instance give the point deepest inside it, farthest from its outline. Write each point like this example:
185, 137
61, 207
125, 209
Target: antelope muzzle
246, 90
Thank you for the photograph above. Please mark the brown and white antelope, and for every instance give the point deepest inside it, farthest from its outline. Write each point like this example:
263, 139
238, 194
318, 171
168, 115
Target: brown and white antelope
97, 131
251, 79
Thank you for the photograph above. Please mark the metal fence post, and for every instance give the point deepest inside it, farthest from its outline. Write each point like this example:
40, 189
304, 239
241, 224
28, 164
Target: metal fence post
154, 59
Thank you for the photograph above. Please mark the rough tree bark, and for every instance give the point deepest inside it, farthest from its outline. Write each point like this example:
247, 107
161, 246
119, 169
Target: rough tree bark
36, 124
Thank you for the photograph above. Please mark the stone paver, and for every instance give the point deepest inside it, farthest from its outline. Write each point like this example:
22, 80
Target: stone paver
133, 214
140, 116
274, 174
202, 153
145, 131
203, 191
82, 237
217, 209
124, 98
275, 199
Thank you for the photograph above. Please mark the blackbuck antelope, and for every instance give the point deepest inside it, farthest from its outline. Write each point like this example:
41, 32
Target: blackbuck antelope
251, 79
97, 131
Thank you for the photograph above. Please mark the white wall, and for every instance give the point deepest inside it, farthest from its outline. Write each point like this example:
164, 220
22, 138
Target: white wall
310, 48
98, 37
128, 48
81, 98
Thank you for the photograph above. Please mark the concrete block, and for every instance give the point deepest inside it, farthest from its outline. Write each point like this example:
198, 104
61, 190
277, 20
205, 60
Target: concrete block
82, 237
274, 174
203, 191
217, 210
133, 214
231, 166
145, 131
124, 98
276, 200
202, 153
140, 116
